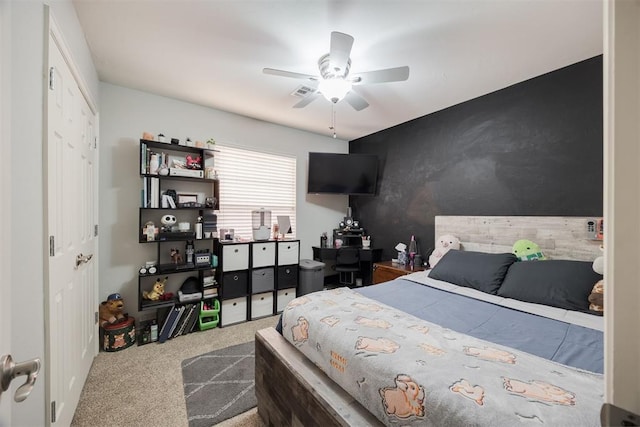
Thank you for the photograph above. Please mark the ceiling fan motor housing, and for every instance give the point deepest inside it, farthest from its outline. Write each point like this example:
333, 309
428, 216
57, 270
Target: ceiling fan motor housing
328, 72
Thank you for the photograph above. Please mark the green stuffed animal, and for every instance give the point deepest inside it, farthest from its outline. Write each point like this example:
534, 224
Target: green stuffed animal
526, 250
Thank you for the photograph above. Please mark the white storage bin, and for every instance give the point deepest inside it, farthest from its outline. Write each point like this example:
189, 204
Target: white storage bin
285, 296
235, 257
233, 311
288, 252
264, 254
261, 305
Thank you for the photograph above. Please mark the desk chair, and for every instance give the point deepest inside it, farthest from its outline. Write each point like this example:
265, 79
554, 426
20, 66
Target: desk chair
347, 264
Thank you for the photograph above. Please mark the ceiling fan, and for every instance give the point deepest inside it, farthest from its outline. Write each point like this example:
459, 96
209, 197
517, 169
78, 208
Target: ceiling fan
334, 81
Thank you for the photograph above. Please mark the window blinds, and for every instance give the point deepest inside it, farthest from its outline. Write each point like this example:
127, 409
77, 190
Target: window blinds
250, 180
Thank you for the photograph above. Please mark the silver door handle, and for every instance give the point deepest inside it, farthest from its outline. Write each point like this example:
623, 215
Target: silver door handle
82, 259
10, 370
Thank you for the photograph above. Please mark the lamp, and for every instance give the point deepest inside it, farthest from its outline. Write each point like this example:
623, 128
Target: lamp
334, 89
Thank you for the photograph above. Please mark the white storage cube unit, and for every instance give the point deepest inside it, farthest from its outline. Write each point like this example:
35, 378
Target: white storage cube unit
284, 297
263, 254
261, 305
233, 311
288, 252
235, 257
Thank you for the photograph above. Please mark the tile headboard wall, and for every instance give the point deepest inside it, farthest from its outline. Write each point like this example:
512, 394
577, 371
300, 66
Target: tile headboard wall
531, 149
559, 237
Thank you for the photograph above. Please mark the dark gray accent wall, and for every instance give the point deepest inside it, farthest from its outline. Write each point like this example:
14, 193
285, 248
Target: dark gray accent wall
534, 148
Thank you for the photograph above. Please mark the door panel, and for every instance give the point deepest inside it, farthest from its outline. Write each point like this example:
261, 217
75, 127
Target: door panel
5, 194
71, 288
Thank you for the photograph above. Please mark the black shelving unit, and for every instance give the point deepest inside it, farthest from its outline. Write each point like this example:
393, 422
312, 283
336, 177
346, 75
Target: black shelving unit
166, 240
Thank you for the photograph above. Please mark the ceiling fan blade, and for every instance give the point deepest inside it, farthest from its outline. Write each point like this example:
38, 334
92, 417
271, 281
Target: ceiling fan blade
291, 74
307, 100
356, 101
397, 74
340, 50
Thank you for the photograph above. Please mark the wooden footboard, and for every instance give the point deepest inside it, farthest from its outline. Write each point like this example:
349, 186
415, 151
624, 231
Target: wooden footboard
292, 391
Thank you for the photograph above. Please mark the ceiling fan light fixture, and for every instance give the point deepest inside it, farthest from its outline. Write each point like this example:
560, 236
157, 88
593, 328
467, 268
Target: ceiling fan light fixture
334, 89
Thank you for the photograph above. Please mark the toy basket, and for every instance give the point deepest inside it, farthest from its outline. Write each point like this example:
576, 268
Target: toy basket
118, 336
210, 317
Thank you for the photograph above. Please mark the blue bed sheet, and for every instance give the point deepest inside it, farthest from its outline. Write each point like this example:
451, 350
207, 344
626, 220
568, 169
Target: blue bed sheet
551, 339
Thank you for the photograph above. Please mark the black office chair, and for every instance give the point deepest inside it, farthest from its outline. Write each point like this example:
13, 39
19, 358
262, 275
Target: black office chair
347, 264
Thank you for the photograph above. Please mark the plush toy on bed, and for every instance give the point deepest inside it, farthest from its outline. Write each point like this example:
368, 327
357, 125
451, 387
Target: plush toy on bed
596, 298
445, 244
526, 250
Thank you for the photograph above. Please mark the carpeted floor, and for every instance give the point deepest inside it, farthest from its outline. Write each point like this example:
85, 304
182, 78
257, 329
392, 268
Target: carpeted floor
143, 385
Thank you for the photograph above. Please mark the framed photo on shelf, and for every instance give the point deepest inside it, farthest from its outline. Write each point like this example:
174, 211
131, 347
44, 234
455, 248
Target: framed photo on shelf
184, 198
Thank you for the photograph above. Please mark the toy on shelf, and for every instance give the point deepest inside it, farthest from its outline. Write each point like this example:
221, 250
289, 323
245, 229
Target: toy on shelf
168, 221
176, 258
194, 163
157, 291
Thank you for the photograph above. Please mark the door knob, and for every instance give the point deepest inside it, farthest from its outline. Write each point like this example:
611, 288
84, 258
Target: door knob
82, 259
10, 370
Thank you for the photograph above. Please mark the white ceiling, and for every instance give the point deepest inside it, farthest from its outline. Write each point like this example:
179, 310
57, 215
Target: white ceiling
212, 52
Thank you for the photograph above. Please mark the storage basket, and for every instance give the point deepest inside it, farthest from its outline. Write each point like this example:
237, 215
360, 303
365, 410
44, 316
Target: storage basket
210, 318
118, 336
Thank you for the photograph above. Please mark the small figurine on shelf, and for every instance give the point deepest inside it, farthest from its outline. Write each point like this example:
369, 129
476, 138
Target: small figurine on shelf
149, 231
157, 291
189, 250
176, 258
163, 170
194, 163
168, 221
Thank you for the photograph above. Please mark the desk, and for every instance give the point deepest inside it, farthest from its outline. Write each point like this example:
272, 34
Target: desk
367, 258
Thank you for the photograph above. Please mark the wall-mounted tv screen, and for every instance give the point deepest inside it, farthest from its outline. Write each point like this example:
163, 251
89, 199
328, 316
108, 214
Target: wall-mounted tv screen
332, 173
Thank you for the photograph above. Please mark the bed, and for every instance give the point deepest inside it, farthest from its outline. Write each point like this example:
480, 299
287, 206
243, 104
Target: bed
467, 343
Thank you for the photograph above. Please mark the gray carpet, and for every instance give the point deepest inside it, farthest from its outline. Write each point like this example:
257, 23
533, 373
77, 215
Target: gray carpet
220, 384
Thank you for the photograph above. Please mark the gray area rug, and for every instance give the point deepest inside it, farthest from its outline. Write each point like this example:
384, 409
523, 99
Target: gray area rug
219, 385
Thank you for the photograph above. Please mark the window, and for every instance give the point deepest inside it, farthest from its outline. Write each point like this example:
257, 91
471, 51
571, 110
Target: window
250, 180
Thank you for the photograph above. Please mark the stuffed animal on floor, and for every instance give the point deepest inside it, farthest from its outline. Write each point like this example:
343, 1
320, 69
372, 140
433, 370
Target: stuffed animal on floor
110, 311
526, 250
445, 244
596, 298
157, 291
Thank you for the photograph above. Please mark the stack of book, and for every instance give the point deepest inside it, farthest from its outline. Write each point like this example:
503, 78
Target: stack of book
151, 192
180, 320
150, 161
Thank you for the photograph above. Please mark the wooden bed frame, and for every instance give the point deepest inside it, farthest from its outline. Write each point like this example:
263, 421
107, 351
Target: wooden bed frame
292, 391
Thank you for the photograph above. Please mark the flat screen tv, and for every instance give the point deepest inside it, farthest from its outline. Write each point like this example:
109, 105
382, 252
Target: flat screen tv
332, 173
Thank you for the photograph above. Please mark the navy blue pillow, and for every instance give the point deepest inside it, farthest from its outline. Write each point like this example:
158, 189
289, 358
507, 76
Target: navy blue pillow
558, 283
479, 270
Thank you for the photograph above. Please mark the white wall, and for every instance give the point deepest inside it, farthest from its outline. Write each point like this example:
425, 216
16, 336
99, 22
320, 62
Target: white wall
27, 239
126, 113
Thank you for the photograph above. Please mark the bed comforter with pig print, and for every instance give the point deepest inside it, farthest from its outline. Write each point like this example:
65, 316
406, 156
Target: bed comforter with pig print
407, 371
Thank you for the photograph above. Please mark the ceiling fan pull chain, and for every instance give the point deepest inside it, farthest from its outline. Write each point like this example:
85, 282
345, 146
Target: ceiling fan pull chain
333, 121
